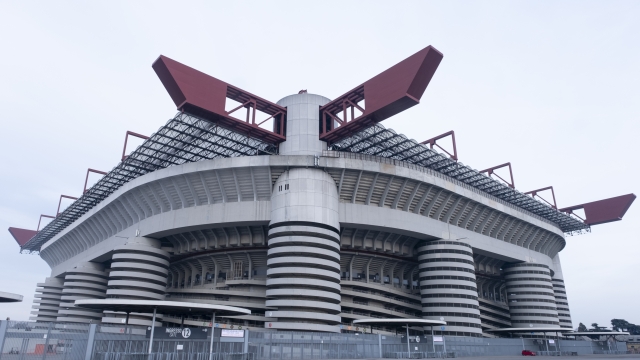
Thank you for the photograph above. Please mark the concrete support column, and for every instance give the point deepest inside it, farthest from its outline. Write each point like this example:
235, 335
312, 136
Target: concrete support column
85, 281
532, 302
139, 270
46, 302
303, 261
448, 286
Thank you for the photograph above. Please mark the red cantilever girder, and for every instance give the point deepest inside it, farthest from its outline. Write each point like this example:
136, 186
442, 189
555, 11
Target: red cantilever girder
388, 93
432, 143
60, 202
534, 193
490, 171
199, 94
46, 216
604, 211
126, 138
21, 236
86, 179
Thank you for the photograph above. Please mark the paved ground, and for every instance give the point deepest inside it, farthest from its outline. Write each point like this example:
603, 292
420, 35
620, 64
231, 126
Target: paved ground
590, 357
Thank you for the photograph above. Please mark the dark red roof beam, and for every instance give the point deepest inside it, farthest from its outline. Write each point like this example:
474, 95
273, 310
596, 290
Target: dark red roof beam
46, 216
60, 202
199, 94
534, 193
490, 171
124, 148
86, 179
603, 211
432, 143
22, 236
388, 93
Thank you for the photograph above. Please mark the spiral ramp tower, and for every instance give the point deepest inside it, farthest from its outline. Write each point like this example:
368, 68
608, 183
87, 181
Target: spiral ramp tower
85, 281
303, 266
448, 286
46, 303
532, 302
562, 303
138, 271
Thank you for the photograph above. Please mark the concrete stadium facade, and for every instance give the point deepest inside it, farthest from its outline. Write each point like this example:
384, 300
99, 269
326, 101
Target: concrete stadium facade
310, 240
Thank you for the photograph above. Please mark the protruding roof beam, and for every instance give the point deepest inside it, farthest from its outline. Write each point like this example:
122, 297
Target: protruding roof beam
199, 94
126, 137
603, 211
534, 193
432, 142
490, 171
388, 93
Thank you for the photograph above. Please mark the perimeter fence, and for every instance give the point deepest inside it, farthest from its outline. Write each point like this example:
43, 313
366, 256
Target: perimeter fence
70, 341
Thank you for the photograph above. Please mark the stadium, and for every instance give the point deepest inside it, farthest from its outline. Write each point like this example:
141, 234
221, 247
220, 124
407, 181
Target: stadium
311, 214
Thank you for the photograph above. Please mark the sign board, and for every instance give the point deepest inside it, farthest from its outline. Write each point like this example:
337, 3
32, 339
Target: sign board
437, 339
177, 333
417, 338
442, 328
551, 341
232, 333
180, 347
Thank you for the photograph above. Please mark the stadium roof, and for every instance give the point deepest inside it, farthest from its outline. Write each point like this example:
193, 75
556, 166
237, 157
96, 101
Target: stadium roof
204, 130
184, 139
380, 141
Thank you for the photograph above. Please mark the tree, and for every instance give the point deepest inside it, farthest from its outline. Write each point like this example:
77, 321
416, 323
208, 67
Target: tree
595, 327
582, 328
624, 325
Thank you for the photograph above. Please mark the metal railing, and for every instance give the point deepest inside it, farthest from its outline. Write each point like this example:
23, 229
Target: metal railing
172, 356
420, 355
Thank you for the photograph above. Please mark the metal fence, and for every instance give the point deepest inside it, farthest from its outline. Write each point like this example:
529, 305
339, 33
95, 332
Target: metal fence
68, 341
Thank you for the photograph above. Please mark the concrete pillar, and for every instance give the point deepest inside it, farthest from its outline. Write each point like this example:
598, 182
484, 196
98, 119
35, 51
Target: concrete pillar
532, 302
448, 286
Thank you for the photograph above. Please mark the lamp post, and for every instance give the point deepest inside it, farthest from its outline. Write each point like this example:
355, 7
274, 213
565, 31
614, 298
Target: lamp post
153, 326
213, 324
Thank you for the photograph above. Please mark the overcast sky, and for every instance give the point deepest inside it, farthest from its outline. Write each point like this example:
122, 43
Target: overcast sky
551, 86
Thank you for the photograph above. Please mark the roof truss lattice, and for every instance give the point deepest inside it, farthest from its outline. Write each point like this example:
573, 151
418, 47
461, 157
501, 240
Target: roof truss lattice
380, 141
184, 139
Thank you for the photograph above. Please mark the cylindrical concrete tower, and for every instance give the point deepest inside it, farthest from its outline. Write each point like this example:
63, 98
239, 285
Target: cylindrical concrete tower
46, 303
303, 263
532, 302
139, 271
86, 281
448, 286
303, 129
560, 292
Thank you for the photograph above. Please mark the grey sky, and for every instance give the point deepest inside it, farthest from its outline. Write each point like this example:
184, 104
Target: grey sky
552, 86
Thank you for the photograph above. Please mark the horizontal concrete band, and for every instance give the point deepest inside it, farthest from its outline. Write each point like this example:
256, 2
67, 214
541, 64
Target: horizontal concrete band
301, 240
290, 228
305, 282
287, 303
284, 271
302, 327
292, 292
302, 261
302, 251
303, 315
140, 266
